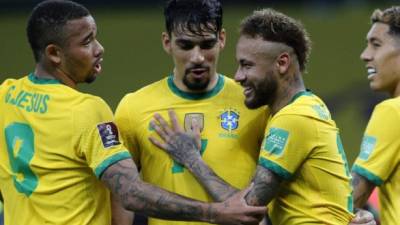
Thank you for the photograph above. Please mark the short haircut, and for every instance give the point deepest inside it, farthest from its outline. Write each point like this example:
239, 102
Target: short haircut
390, 16
278, 27
47, 21
195, 16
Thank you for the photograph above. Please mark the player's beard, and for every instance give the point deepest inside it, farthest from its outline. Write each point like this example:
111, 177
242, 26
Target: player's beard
264, 91
90, 79
196, 84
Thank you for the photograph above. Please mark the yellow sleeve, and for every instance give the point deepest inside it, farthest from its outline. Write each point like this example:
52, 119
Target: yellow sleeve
379, 154
124, 119
287, 143
98, 141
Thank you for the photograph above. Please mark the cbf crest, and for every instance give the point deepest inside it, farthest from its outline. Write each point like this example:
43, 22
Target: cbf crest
229, 120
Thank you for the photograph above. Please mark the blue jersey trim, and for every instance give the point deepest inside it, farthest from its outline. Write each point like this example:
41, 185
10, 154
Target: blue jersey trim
37, 80
274, 167
111, 160
196, 96
367, 174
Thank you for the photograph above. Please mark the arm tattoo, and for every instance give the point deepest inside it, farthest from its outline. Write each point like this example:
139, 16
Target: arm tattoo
182, 148
215, 186
266, 186
362, 189
123, 180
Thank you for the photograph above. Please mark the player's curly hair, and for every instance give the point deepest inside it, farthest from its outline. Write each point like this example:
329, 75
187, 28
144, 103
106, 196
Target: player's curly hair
195, 16
390, 16
46, 23
278, 27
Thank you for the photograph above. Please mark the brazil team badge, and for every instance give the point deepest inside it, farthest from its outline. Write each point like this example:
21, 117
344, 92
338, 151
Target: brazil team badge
229, 120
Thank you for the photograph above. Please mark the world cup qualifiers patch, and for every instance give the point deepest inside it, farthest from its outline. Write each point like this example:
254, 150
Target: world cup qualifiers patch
109, 134
276, 140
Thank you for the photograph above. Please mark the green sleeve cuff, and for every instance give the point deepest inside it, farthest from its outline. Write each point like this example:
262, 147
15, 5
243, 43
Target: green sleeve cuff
109, 161
274, 167
367, 174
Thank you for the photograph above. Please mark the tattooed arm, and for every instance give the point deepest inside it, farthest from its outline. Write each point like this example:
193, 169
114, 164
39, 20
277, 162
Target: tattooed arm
362, 189
184, 148
119, 215
123, 180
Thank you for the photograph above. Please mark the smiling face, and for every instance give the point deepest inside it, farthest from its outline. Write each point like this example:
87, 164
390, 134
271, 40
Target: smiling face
81, 54
195, 57
382, 57
257, 71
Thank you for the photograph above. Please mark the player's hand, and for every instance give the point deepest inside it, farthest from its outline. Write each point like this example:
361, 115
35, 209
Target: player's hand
183, 146
363, 217
235, 211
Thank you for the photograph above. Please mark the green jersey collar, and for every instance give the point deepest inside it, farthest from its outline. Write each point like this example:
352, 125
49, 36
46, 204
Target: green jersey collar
196, 96
299, 94
36, 80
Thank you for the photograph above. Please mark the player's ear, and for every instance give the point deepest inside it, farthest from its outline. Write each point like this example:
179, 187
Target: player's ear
53, 53
283, 62
222, 38
166, 42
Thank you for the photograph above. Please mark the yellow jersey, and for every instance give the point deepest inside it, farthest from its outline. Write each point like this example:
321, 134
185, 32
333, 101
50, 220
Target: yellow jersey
302, 146
230, 135
379, 158
55, 142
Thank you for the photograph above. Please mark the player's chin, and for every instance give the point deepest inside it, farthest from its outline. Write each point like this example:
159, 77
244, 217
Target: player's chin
251, 103
91, 78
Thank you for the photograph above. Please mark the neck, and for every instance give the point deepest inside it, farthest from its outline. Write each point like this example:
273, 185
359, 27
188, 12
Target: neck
286, 93
181, 86
49, 72
396, 91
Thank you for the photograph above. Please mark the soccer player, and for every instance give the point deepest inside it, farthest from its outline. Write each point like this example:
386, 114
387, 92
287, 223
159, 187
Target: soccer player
302, 165
379, 158
60, 150
230, 133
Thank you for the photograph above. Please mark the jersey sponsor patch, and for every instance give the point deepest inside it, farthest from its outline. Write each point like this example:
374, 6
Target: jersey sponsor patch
276, 140
367, 146
109, 134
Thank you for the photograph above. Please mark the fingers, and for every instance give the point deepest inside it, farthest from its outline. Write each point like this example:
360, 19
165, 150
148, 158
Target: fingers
196, 132
363, 217
160, 131
174, 121
164, 125
158, 143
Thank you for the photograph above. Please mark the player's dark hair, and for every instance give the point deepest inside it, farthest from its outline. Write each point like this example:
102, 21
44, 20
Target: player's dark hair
47, 21
390, 16
277, 27
195, 16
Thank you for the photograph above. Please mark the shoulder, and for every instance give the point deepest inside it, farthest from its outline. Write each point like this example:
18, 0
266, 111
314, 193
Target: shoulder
146, 93
92, 108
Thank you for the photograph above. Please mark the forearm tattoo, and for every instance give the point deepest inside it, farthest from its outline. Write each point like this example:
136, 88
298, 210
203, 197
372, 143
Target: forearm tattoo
215, 186
265, 187
123, 180
183, 149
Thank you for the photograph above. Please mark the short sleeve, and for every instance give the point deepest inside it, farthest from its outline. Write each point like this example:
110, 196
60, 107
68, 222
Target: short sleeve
287, 144
125, 122
98, 142
380, 145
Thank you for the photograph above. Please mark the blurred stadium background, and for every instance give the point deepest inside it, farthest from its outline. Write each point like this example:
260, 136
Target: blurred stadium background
130, 31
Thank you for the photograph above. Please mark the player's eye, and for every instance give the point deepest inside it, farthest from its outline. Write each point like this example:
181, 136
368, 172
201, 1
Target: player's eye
208, 44
185, 45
